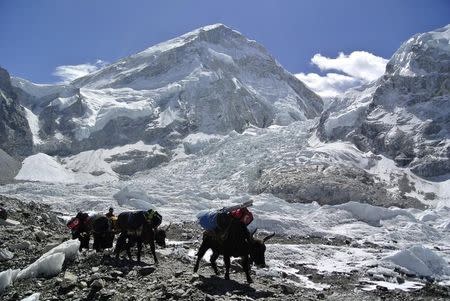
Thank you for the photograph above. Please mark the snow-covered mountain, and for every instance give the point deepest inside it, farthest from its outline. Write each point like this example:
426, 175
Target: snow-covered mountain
211, 80
404, 115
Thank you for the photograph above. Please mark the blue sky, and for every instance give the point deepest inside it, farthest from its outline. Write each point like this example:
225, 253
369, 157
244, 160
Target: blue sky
39, 36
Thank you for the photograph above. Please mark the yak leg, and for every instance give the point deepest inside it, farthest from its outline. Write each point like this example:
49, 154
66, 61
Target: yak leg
81, 243
226, 260
139, 249
201, 252
97, 242
213, 259
129, 245
121, 241
153, 249
246, 266
84, 241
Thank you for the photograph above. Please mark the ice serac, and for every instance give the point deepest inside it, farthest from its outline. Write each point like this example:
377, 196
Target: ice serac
211, 80
406, 113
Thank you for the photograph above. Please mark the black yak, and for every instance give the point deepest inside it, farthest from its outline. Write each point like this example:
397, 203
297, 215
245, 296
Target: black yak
235, 241
81, 228
139, 227
103, 232
98, 225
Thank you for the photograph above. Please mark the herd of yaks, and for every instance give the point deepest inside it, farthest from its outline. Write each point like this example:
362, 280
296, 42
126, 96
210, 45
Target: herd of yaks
139, 227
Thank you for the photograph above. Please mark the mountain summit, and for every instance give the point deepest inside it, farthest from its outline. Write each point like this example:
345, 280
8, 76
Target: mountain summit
406, 113
211, 80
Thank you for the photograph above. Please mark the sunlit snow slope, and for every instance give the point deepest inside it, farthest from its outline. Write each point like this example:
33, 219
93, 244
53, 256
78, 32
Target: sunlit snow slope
211, 80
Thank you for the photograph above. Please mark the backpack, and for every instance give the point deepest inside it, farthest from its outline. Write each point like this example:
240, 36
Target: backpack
243, 214
208, 219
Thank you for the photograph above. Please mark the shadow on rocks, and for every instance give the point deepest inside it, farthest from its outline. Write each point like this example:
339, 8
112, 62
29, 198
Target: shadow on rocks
215, 285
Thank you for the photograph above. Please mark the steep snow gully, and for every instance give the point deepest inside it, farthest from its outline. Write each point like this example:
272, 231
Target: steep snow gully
210, 119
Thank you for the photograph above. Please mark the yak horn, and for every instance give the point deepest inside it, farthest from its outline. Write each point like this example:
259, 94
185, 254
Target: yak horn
254, 231
170, 224
268, 237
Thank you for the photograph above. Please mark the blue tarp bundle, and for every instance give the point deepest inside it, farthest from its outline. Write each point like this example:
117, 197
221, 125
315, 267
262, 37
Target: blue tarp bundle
208, 219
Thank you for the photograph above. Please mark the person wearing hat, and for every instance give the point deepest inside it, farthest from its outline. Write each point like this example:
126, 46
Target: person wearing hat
110, 213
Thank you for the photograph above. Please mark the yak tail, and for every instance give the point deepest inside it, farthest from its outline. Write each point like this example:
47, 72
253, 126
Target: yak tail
268, 237
170, 224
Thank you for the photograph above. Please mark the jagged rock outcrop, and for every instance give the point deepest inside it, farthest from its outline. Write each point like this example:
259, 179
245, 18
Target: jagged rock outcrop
330, 185
15, 135
9, 167
404, 115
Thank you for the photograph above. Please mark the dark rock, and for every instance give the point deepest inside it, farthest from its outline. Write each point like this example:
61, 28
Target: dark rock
320, 296
97, 284
287, 289
147, 270
15, 134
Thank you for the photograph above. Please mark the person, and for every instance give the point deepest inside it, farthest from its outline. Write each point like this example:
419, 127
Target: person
110, 213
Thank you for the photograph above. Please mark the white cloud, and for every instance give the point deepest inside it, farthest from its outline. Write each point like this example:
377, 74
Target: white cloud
68, 73
356, 68
330, 85
359, 64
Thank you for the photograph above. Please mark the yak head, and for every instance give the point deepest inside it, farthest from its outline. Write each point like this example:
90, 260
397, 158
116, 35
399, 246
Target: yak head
73, 225
160, 236
258, 249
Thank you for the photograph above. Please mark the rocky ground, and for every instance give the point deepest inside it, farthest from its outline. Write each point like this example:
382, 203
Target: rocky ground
95, 276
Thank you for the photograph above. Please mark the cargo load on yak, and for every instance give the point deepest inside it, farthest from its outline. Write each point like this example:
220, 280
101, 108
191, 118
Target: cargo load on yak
211, 219
243, 214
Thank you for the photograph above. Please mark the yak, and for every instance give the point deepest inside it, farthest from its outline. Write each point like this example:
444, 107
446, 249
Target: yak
139, 227
98, 225
81, 227
103, 232
235, 241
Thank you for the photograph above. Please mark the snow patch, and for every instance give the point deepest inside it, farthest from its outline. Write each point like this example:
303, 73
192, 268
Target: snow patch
407, 286
45, 266
195, 143
50, 264
99, 163
33, 122
421, 261
7, 278
167, 117
33, 297
370, 214
64, 102
225, 58
43, 168
69, 248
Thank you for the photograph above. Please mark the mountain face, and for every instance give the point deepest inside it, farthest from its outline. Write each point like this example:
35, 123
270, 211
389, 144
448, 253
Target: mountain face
211, 80
404, 115
15, 135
